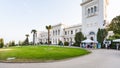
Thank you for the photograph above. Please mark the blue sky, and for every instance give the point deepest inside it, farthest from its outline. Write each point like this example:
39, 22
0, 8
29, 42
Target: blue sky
19, 17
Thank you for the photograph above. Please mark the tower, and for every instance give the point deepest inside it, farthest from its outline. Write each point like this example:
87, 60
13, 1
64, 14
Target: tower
94, 16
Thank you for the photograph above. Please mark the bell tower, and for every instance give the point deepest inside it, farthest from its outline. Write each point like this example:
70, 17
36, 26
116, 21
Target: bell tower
94, 16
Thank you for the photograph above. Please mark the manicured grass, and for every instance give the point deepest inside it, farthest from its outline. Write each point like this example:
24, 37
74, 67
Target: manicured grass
39, 53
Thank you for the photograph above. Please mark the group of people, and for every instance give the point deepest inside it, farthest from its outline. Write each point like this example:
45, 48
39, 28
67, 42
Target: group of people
107, 45
90, 45
96, 45
116, 46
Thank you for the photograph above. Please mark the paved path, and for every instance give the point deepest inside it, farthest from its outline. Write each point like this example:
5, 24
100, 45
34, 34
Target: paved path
98, 59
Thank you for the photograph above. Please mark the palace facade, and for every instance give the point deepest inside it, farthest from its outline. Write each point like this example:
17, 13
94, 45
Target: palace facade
94, 16
60, 32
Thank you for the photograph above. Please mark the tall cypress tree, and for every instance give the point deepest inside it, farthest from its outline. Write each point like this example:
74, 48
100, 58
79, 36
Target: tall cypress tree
101, 35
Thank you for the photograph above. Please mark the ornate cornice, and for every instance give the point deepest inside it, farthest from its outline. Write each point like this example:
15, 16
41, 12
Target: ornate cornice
86, 2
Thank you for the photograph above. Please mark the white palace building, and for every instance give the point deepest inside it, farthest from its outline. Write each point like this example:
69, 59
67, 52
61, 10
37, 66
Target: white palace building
94, 16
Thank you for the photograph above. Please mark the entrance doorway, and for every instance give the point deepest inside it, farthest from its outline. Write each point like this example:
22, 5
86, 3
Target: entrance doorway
92, 35
91, 38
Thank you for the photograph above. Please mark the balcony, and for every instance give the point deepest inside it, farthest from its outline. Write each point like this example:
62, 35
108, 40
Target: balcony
86, 2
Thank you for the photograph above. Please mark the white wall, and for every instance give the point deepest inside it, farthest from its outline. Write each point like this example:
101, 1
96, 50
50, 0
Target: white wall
93, 21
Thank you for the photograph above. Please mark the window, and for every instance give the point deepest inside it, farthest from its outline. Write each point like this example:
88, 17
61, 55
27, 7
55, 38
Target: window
68, 39
76, 31
95, 8
65, 32
91, 33
92, 10
68, 32
71, 32
58, 32
88, 11
64, 39
53, 32
53, 40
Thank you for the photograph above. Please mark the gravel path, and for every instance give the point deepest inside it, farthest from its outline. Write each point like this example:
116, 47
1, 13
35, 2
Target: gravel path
98, 59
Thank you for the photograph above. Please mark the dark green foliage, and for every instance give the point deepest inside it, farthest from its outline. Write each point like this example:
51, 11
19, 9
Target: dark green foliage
60, 43
26, 41
116, 36
46, 43
78, 38
101, 35
1, 43
41, 42
115, 25
11, 43
66, 43
76, 44
113, 45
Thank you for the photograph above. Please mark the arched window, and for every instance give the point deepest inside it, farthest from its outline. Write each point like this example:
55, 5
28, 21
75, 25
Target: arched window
53, 40
71, 32
95, 8
64, 39
92, 33
53, 32
92, 10
88, 11
76, 31
58, 32
65, 32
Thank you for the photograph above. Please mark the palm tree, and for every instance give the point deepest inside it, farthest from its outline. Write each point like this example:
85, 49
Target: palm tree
49, 28
27, 40
27, 35
34, 35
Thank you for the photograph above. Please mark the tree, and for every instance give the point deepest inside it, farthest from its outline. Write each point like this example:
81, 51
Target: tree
34, 35
49, 28
101, 35
116, 36
115, 25
78, 38
1, 43
27, 39
66, 43
11, 43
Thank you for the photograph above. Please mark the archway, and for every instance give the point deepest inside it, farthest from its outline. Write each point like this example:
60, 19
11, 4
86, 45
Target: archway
92, 35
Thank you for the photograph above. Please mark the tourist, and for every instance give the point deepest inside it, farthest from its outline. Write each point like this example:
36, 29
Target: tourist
117, 46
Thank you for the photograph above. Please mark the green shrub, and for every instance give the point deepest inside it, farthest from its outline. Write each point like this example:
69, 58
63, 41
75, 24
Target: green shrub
60, 43
66, 43
76, 44
11, 43
113, 45
46, 43
1, 43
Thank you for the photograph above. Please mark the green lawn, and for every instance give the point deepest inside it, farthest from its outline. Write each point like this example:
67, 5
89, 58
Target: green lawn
39, 53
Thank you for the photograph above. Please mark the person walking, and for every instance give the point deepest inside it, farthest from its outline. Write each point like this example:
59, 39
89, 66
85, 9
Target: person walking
106, 45
117, 46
